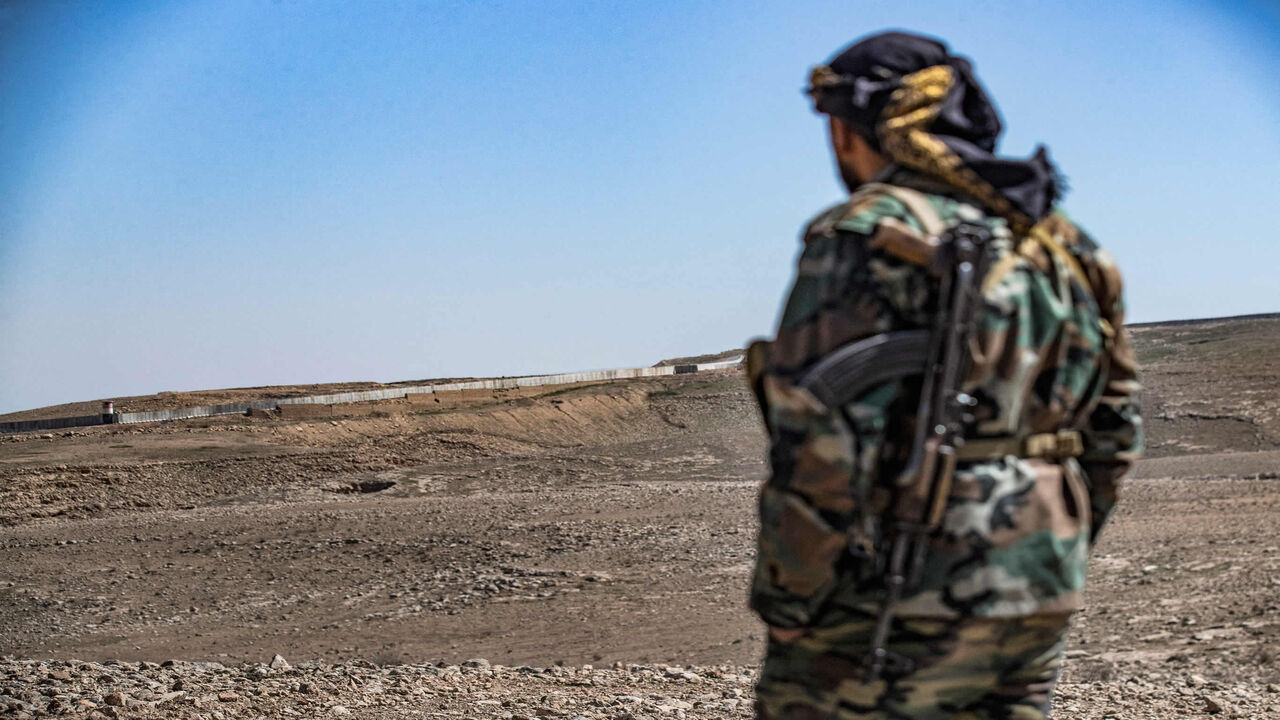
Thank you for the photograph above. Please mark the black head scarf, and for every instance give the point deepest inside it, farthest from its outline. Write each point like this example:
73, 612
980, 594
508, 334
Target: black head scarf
924, 108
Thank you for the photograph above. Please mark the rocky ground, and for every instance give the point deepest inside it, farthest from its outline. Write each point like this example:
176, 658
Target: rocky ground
592, 544
477, 689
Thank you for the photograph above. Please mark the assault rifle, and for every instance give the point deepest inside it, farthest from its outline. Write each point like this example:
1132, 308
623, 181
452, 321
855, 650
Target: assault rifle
940, 355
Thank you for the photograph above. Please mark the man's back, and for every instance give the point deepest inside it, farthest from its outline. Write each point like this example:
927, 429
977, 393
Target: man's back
1045, 350
1052, 427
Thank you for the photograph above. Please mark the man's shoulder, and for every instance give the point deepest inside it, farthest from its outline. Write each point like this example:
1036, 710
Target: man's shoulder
859, 214
1098, 264
915, 207
1065, 230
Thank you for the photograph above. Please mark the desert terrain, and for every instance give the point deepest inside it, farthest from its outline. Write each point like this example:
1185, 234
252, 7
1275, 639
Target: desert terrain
583, 553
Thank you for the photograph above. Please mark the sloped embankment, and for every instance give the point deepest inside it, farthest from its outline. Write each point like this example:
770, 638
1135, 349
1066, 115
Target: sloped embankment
83, 473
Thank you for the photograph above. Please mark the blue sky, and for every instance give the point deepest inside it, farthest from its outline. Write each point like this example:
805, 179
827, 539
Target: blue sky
223, 193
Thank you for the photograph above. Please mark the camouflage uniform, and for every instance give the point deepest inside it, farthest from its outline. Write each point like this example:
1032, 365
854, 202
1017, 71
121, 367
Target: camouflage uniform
986, 626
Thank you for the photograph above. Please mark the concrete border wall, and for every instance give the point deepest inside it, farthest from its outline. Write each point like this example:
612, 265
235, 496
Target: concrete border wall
51, 423
364, 396
195, 412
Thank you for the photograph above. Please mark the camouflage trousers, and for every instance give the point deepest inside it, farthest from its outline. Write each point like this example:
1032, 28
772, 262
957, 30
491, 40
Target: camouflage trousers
969, 668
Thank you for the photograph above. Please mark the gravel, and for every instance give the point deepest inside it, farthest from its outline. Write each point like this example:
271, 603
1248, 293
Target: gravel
479, 689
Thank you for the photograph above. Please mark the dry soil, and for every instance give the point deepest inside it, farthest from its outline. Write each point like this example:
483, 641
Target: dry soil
608, 526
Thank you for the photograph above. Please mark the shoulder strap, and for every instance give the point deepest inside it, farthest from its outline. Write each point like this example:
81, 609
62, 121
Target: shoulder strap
1068, 258
1039, 235
917, 203
1050, 243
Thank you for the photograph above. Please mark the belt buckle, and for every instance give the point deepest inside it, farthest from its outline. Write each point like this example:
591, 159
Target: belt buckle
1069, 444
1040, 445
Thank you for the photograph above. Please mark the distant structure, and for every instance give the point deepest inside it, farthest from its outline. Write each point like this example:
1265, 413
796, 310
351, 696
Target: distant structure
109, 416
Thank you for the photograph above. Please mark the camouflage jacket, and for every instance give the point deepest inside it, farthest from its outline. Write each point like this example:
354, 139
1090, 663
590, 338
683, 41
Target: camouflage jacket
1049, 353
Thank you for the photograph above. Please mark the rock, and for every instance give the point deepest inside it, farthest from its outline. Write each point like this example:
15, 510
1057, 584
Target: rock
115, 699
1212, 705
681, 674
339, 710
279, 663
480, 663
227, 696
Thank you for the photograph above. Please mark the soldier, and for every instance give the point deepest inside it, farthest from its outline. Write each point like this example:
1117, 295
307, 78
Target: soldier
1053, 422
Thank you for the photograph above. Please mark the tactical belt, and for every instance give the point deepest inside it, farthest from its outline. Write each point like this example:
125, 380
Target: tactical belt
1049, 446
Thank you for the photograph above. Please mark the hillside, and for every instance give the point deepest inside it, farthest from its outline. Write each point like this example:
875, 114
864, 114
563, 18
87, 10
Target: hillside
1211, 385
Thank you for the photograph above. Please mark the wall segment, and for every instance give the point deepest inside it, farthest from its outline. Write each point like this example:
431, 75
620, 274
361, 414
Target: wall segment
361, 396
